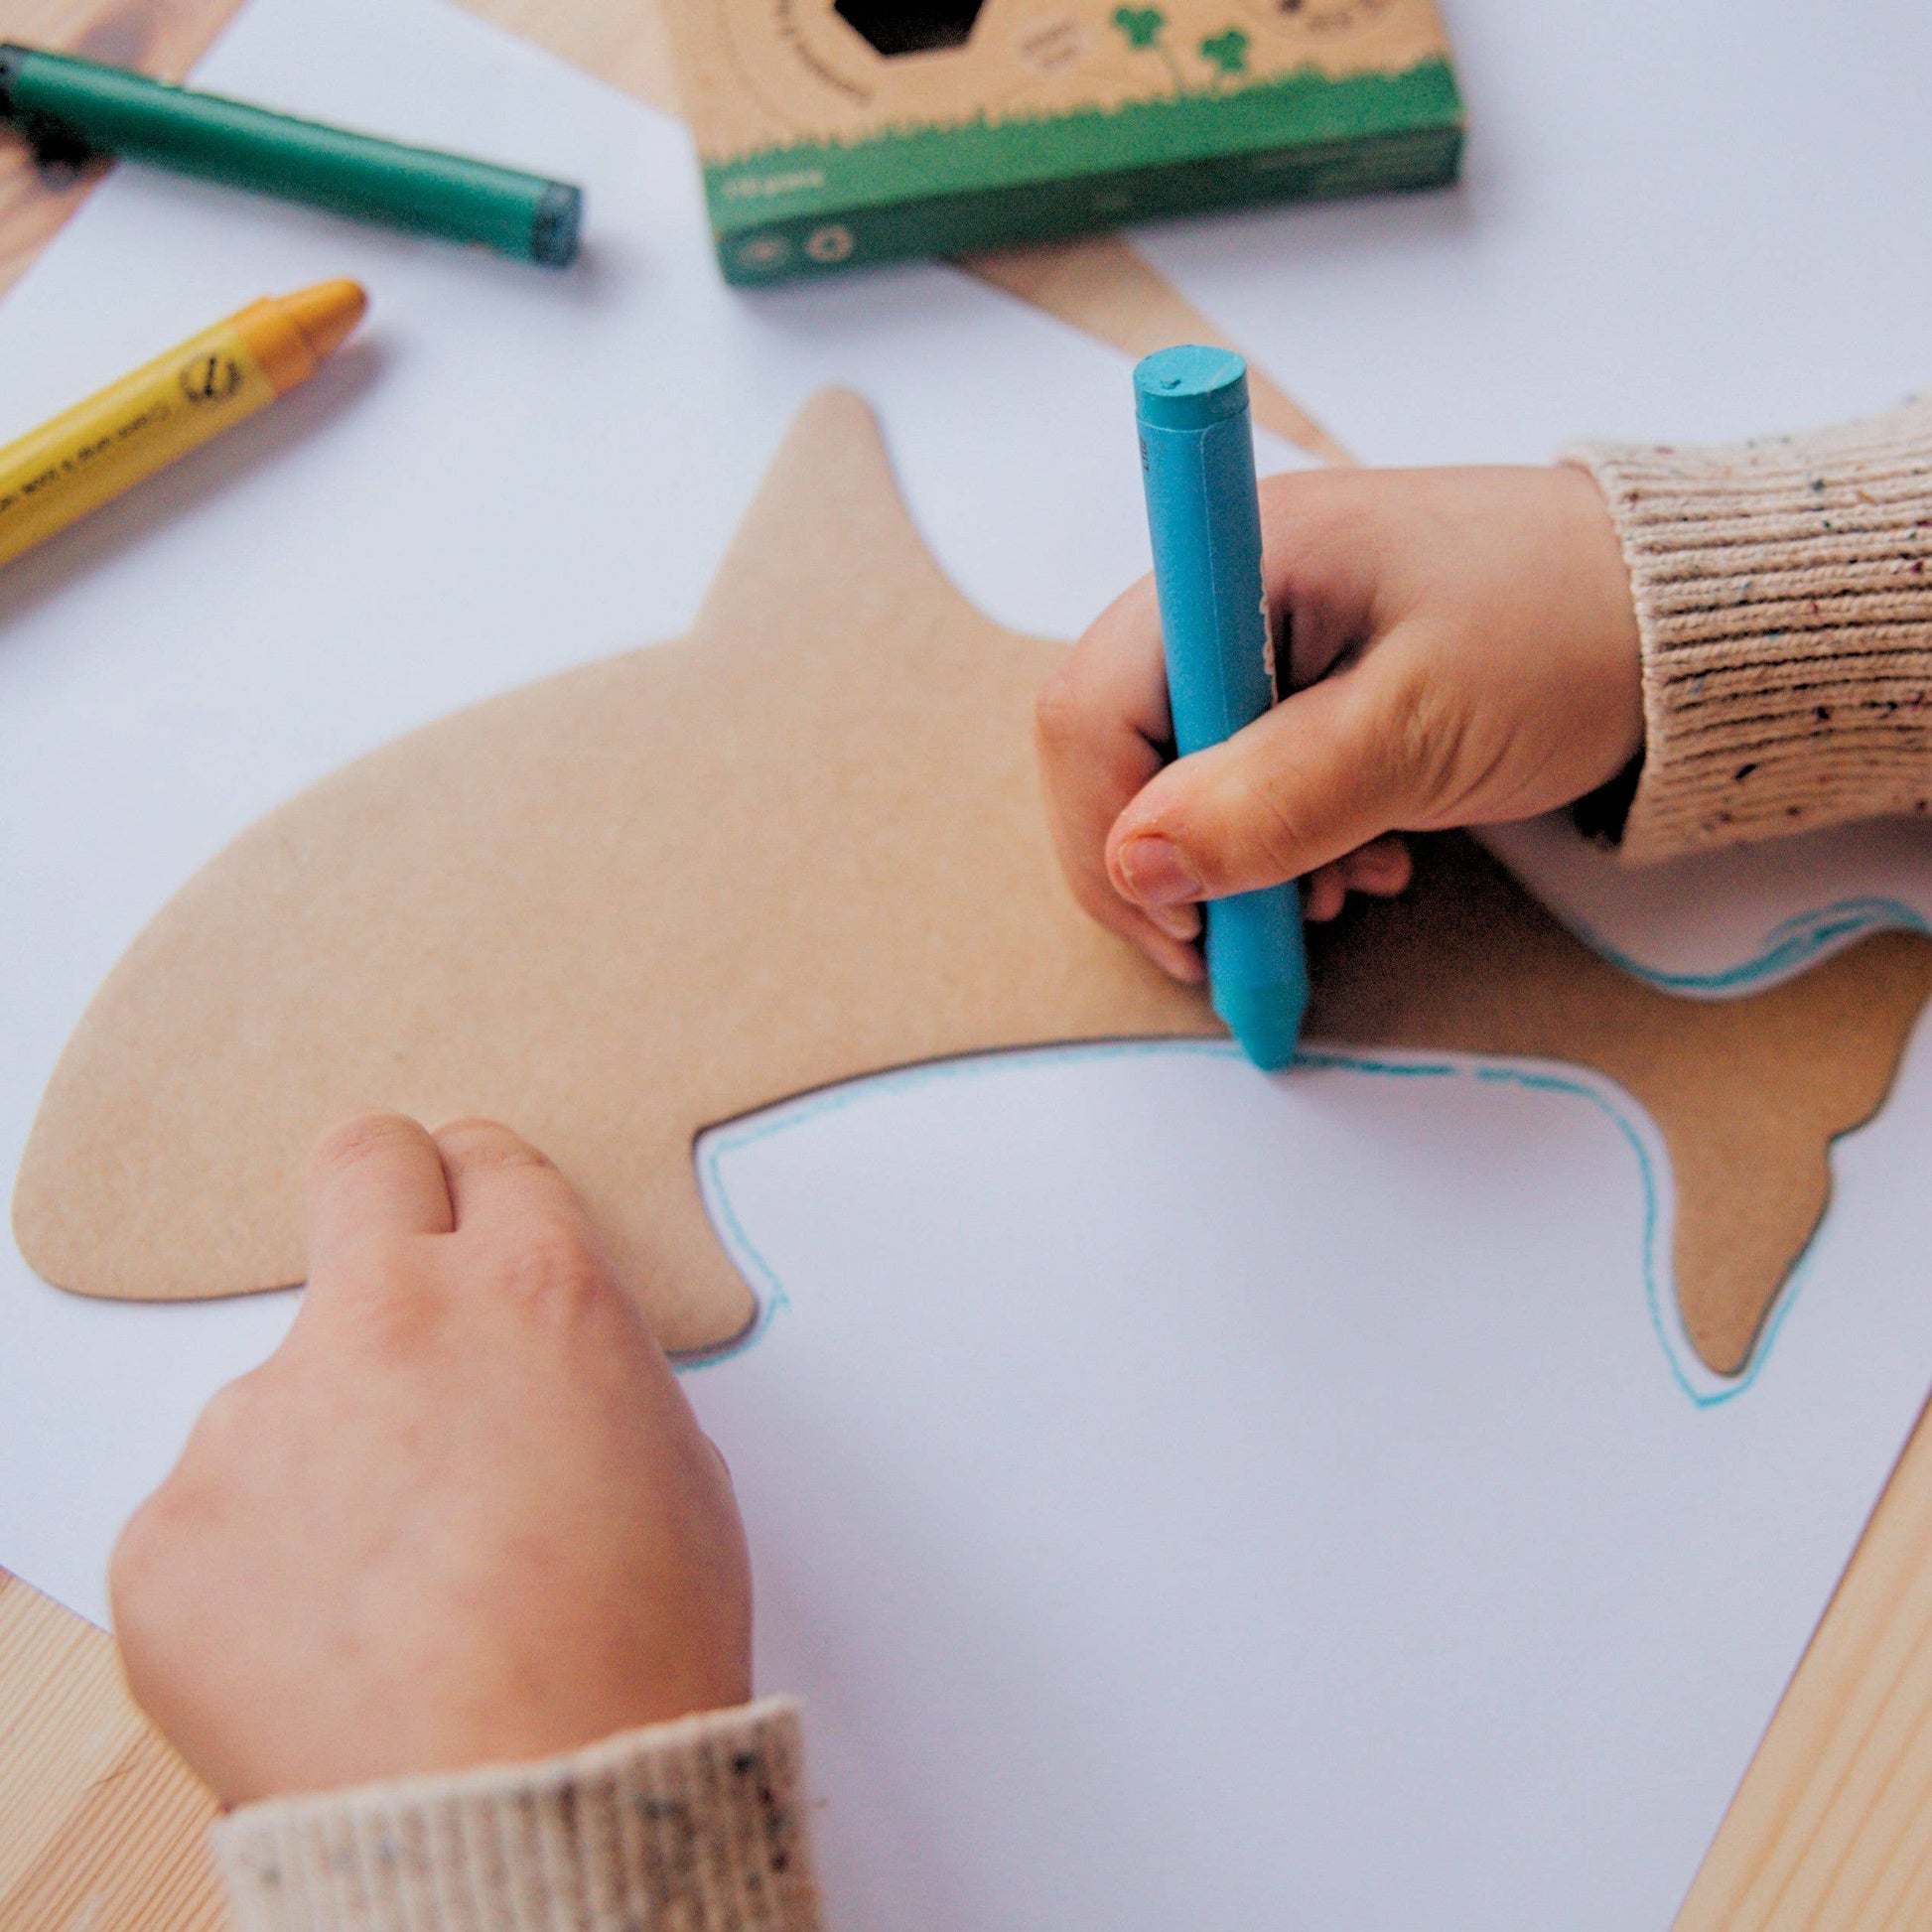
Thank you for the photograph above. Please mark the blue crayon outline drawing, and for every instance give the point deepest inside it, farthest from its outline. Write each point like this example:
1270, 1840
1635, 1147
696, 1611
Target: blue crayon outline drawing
1789, 949
1702, 1388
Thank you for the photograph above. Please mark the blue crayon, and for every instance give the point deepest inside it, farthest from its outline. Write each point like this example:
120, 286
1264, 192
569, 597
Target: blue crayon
1197, 460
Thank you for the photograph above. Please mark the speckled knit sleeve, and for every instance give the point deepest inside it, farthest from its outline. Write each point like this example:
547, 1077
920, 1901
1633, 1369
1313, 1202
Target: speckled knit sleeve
1784, 595
697, 1826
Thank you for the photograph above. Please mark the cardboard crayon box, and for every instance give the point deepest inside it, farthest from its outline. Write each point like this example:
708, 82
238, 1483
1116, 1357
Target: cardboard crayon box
838, 132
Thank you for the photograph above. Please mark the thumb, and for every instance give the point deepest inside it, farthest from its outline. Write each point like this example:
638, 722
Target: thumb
1325, 772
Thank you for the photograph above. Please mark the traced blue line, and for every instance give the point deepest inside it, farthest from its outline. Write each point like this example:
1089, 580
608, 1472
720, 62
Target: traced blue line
1788, 949
726, 1141
809, 1107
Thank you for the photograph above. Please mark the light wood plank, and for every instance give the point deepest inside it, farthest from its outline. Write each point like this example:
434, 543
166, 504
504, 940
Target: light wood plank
160, 37
101, 1825
1831, 1827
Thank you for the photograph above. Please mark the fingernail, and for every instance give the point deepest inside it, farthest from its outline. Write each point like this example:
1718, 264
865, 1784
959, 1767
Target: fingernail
1155, 873
1188, 973
1180, 921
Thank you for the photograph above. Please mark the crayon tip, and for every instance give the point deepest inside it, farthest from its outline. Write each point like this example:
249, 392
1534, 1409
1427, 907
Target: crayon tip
326, 314
1265, 1020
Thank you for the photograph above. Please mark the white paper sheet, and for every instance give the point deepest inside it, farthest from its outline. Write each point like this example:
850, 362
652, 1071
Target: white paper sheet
1676, 222
1180, 1498
510, 472
1195, 1499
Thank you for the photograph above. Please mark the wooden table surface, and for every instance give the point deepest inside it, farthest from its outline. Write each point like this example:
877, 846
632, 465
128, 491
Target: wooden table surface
101, 1826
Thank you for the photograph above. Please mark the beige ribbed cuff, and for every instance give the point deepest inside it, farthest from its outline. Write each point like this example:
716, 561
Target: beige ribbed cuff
697, 1826
1784, 595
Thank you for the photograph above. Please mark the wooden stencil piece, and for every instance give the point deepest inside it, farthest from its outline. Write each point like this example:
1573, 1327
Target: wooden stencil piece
612, 908
1747, 1093
803, 846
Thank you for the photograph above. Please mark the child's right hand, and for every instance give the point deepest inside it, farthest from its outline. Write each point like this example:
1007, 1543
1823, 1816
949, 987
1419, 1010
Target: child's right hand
1461, 650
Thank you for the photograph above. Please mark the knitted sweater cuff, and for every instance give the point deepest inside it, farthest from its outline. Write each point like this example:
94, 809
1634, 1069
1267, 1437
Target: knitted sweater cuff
697, 1826
1784, 597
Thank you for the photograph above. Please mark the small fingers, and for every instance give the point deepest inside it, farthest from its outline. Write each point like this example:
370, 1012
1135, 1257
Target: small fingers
1321, 564
379, 1175
1099, 726
1323, 894
494, 1175
1382, 869
1325, 772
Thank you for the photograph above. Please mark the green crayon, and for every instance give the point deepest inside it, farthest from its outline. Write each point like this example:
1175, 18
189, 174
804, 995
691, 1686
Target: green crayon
76, 108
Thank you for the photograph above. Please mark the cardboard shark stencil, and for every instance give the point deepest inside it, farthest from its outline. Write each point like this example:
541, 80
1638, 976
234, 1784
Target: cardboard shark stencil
803, 846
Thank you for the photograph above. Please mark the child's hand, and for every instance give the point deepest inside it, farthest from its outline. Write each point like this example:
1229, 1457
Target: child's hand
1469, 654
462, 1515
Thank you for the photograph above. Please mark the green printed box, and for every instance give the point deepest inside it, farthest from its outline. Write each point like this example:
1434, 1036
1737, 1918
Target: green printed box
838, 132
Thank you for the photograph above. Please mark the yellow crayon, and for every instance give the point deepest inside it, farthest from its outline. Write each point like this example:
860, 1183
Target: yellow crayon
92, 452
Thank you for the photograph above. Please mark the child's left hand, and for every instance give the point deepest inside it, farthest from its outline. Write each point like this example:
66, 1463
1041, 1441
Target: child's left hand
462, 1515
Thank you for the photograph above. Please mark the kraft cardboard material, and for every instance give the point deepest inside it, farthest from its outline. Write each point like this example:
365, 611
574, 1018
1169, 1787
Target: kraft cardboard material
1104, 285
1101, 284
1747, 1093
838, 132
662, 891
645, 896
